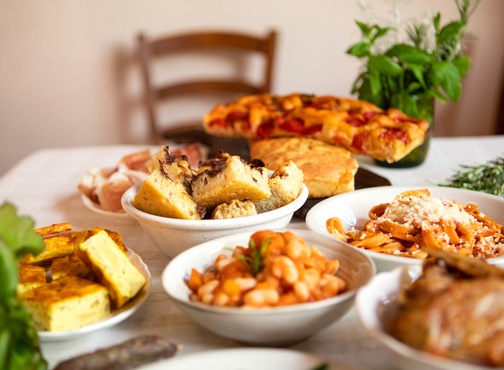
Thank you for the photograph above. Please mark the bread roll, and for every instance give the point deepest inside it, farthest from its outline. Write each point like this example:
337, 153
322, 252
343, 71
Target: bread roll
167, 190
226, 177
233, 209
285, 184
327, 169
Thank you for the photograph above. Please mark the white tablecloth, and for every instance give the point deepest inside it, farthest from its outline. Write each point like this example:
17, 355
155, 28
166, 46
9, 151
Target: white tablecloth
44, 186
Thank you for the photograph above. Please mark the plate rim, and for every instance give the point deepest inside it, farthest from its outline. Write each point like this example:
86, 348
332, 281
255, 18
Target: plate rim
218, 357
98, 209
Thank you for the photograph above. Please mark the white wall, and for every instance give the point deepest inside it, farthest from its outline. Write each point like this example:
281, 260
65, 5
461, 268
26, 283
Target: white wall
68, 76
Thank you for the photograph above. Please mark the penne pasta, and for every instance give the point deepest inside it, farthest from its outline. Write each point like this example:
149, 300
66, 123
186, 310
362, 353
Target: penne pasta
414, 220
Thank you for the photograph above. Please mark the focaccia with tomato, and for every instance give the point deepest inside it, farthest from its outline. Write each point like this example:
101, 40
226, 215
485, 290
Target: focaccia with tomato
355, 125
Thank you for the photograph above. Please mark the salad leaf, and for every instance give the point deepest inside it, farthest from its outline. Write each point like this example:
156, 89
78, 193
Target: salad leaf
19, 346
17, 232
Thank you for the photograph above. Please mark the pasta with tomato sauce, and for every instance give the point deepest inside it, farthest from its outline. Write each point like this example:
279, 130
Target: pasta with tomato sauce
415, 219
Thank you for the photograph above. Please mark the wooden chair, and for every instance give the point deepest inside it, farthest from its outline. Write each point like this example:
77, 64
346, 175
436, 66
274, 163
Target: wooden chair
227, 43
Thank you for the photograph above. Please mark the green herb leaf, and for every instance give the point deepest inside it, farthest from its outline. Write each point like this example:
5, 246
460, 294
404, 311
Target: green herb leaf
4, 341
437, 94
413, 87
379, 32
365, 28
436, 21
9, 272
17, 232
393, 85
19, 347
462, 63
25, 353
418, 72
374, 80
364, 90
451, 32
360, 49
406, 103
385, 65
409, 54
447, 76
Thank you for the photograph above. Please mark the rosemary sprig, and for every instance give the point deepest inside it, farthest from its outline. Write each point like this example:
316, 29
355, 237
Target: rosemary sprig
488, 177
255, 262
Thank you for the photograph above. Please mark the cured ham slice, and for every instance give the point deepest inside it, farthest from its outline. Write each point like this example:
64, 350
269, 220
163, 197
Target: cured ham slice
105, 186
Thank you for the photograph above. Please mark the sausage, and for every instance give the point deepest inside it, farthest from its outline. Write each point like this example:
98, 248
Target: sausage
127, 355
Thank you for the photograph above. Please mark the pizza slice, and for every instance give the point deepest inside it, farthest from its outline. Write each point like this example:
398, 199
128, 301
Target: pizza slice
355, 125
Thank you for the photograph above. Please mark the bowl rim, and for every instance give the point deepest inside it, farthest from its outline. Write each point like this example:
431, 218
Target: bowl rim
367, 313
220, 243
290, 208
399, 260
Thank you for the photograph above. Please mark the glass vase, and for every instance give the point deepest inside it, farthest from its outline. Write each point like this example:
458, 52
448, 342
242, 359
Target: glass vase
418, 155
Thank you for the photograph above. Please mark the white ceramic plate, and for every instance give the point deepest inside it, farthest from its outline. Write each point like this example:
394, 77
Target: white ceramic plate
96, 208
352, 209
245, 359
377, 300
116, 315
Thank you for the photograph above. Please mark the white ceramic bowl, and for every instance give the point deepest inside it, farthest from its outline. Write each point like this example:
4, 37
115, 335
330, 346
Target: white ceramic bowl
276, 326
353, 208
376, 303
173, 236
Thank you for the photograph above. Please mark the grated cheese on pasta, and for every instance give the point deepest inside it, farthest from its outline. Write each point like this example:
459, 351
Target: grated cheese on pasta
413, 211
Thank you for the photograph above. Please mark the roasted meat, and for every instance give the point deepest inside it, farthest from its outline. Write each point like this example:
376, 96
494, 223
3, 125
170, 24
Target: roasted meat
455, 309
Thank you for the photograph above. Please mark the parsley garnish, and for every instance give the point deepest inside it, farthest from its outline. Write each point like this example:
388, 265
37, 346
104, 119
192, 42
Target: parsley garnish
19, 346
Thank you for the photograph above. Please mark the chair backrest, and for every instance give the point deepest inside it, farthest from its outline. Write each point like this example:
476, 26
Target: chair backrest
201, 42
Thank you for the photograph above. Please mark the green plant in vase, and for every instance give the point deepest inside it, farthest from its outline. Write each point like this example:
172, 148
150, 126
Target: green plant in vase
412, 75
